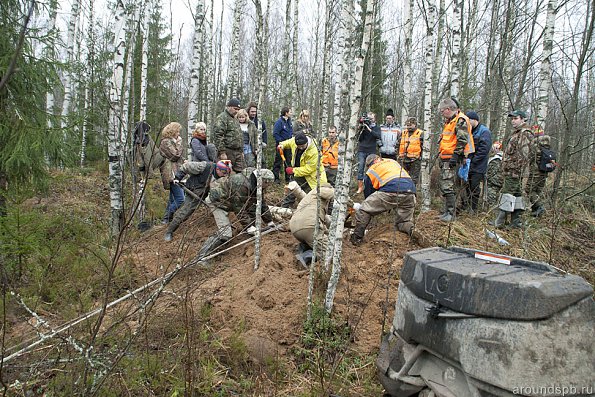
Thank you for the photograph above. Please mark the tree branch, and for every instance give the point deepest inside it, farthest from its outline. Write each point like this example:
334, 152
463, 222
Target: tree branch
17, 51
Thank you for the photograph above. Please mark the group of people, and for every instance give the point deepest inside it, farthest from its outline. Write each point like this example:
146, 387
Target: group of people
222, 174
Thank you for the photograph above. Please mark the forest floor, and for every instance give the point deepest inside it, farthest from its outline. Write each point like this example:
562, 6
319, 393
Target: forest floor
265, 309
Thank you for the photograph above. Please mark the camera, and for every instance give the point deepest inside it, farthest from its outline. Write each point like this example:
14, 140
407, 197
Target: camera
364, 119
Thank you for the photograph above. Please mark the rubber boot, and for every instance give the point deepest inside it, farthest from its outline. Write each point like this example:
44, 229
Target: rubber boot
210, 245
515, 219
360, 187
449, 215
357, 236
168, 236
500, 219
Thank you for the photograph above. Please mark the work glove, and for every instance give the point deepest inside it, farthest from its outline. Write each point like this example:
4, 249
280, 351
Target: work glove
292, 185
279, 147
251, 231
263, 145
357, 206
271, 224
454, 160
289, 170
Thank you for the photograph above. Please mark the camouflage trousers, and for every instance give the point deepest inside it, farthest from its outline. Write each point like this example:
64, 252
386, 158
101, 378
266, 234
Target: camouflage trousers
493, 194
414, 169
512, 186
331, 175
379, 202
447, 179
238, 163
188, 207
534, 188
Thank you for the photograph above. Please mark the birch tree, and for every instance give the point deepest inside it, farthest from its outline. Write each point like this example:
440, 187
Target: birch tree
115, 122
341, 199
326, 68
144, 62
294, 75
50, 54
261, 58
545, 78
425, 160
234, 64
455, 69
409, 5
68, 80
287, 53
195, 72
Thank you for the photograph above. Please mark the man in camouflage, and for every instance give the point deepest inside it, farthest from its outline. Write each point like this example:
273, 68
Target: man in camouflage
202, 174
237, 194
228, 136
455, 146
514, 166
537, 178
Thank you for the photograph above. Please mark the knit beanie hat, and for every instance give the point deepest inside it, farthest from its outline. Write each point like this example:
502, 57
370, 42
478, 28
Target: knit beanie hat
390, 112
472, 115
301, 138
224, 165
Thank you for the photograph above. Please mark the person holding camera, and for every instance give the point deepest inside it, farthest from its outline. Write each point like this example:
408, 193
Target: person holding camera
369, 133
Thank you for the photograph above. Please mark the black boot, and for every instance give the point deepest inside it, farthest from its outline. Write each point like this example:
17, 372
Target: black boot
449, 215
516, 221
538, 210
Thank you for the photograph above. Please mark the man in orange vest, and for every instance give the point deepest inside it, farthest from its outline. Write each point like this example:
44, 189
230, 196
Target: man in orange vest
455, 146
387, 186
410, 148
330, 155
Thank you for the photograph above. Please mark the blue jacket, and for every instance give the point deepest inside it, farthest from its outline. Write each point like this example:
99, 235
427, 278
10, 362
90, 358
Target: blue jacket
482, 137
367, 139
282, 130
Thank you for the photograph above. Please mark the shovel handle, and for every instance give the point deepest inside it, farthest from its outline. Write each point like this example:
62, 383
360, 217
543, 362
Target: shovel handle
282, 154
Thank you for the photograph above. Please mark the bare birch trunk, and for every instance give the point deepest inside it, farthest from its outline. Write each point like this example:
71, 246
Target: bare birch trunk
287, 54
234, 65
455, 69
409, 4
144, 63
85, 122
258, 222
326, 70
436, 69
355, 94
261, 58
211, 78
195, 71
344, 169
294, 62
50, 53
68, 85
128, 80
425, 158
545, 80
115, 125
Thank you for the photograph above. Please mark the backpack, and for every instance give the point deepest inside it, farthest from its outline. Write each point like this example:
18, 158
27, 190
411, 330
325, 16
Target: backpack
547, 162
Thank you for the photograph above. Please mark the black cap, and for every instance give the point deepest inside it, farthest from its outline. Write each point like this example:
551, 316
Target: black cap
472, 115
390, 112
301, 138
234, 103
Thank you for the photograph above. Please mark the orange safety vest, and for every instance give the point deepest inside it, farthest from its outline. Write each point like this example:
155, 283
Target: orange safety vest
448, 141
411, 144
330, 153
385, 171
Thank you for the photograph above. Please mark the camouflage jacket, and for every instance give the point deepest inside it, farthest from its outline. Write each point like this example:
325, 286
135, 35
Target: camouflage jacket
236, 194
227, 133
516, 152
493, 174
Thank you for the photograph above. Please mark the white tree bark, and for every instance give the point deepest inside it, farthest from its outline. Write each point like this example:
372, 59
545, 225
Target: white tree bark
425, 158
455, 61
409, 5
287, 53
234, 65
50, 53
126, 92
144, 62
195, 71
356, 97
84, 132
294, 60
326, 68
545, 79
261, 46
344, 169
211, 77
68, 80
115, 122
